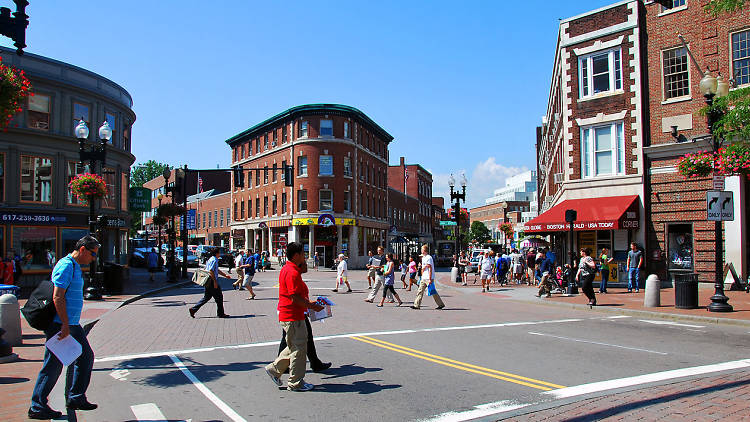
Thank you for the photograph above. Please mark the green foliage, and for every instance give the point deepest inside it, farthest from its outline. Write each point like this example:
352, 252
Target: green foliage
716, 7
144, 172
734, 112
479, 233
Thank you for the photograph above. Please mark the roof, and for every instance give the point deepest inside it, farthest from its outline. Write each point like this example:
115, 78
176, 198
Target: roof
308, 109
201, 196
607, 213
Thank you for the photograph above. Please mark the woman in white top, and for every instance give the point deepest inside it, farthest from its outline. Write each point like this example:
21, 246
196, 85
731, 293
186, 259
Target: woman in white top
341, 274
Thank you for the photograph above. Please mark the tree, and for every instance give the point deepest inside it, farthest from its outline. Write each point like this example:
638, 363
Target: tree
716, 7
141, 174
479, 233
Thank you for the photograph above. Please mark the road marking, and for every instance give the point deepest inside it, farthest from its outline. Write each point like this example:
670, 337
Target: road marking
597, 343
676, 324
206, 392
647, 378
478, 411
120, 374
148, 412
505, 376
331, 337
618, 317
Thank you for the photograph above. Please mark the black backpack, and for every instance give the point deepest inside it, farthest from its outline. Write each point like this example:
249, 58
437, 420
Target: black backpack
39, 310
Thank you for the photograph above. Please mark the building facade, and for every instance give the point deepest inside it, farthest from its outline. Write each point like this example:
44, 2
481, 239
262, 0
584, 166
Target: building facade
213, 219
39, 155
520, 187
416, 182
494, 214
338, 201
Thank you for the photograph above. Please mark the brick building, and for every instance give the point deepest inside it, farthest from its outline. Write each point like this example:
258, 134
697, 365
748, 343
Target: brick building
589, 148
416, 182
339, 199
494, 214
403, 218
212, 218
679, 237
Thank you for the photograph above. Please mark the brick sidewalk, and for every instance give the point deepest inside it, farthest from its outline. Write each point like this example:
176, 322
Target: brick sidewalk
722, 397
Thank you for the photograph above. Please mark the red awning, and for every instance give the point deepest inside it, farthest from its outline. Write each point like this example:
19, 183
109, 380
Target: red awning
606, 213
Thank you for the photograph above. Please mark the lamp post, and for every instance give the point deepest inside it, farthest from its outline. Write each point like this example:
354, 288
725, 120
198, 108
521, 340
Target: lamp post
458, 197
714, 87
159, 198
570, 217
171, 234
97, 154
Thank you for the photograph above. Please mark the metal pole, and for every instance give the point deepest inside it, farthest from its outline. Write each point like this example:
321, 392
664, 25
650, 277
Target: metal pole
572, 287
184, 231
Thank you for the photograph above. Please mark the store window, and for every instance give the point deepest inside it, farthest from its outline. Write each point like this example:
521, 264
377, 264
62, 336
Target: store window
81, 112
301, 201
680, 247
36, 246
110, 199
38, 112
36, 179
326, 128
69, 238
325, 202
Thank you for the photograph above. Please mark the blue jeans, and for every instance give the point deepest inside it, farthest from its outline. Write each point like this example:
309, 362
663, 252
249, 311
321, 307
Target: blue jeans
633, 277
78, 376
605, 279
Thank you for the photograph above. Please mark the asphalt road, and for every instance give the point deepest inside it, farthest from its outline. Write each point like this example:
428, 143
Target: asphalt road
483, 354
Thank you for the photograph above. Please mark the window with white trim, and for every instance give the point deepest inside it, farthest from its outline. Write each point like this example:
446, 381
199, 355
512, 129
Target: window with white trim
347, 201
38, 112
325, 200
741, 57
302, 200
303, 130
347, 166
600, 72
326, 128
346, 130
676, 74
602, 150
302, 165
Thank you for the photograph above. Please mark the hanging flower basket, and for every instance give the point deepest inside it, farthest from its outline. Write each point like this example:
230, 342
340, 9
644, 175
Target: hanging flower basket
14, 88
159, 220
734, 159
88, 185
699, 164
507, 229
170, 210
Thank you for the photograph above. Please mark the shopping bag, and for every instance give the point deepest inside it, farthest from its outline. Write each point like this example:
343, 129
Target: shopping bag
201, 277
431, 290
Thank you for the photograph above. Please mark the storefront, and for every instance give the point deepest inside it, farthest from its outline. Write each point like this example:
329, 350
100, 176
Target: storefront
326, 235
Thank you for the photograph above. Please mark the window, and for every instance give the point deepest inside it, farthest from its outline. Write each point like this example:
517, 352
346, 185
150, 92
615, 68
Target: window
37, 246
257, 178
257, 207
325, 202
228, 217
676, 76
36, 179
302, 201
265, 206
209, 219
74, 168
204, 220
283, 166
303, 130
325, 167
346, 129
38, 112
257, 145
216, 216
741, 57
110, 119
302, 166
326, 128
275, 137
273, 173
600, 72
347, 201
603, 148
265, 142
284, 134
675, 3
81, 112
126, 137
221, 218
347, 167
265, 175
249, 207
283, 202
197, 220
241, 215
274, 205
108, 174
361, 172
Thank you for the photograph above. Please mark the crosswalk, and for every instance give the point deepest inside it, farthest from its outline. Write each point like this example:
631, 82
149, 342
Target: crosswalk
150, 412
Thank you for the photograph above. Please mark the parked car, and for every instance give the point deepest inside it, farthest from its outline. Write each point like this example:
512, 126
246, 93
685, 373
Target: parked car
473, 265
192, 259
225, 257
138, 257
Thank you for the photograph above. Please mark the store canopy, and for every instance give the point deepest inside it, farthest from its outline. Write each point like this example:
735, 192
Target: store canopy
605, 213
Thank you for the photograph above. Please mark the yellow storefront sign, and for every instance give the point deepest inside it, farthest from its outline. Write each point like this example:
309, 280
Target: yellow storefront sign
312, 221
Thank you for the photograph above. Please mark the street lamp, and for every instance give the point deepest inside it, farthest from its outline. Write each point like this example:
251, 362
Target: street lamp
714, 87
159, 198
97, 154
457, 197
171, 234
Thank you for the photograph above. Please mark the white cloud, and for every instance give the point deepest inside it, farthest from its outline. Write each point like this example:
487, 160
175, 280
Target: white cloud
486, 176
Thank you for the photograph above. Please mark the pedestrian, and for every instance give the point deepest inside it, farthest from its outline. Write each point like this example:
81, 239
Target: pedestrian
248, 269
389, 272
486, 269
605, 260
68, 299
586, 274
516, 266
293, 302
316, 262
412, 273
378, 263
212, 288
463, 262
370, 270
530, 267
316, 364
545, 284
500, 269
342, 272
428, 277
152, 261
263, 259
634, 264
240, 270
404, 268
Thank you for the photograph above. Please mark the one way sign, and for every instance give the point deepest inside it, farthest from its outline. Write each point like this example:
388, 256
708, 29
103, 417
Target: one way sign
719, 206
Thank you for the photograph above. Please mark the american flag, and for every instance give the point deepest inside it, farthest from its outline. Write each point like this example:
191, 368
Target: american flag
200, 183
406, 173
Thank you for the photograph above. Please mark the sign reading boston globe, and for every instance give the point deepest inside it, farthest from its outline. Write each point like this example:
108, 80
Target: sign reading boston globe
139, 199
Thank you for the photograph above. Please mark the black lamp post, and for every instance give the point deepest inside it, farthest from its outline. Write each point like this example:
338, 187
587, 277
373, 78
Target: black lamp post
458, 197
570, 217
15, 27
159, 198
713, 87
171, 234
97, 154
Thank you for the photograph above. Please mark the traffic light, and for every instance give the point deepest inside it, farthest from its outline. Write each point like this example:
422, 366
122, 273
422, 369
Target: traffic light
288, 175
456, 212
239, 177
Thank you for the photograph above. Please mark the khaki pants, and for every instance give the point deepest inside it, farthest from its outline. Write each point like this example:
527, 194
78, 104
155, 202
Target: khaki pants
420, 293
379, 282
294, 355
546, 285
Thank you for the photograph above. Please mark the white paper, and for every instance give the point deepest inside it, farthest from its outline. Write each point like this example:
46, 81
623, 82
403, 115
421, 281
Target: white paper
375, 263
67, 349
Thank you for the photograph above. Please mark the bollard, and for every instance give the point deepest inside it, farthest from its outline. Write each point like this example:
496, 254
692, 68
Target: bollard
455, 276
6, 351
652, 298
10, 319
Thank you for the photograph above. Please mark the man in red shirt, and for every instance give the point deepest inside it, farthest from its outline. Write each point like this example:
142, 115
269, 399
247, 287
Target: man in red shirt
293, 302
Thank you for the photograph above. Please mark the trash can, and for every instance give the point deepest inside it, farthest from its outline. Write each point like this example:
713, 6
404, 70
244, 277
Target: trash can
686, 291
113, 277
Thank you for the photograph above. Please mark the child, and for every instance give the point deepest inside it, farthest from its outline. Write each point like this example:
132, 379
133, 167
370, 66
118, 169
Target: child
389, 273
412, 273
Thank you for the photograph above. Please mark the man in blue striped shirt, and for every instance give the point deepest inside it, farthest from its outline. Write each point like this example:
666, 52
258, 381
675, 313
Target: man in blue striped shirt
68, 298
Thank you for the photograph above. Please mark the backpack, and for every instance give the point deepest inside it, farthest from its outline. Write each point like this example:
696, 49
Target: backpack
39, 310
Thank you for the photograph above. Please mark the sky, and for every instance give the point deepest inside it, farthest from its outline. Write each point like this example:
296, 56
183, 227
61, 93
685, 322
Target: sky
460, 86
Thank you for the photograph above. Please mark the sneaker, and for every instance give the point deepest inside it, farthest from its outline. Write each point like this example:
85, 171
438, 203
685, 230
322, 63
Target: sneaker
349, 291
440, 307
335, 290
414, 307
483, 290
304, 387
276, 380
323, 366
44, 414
80, 405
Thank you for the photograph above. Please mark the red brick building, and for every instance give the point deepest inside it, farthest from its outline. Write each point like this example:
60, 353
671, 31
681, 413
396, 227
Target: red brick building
679, 237
339, 199
212, 218
416, 182
493, 215
403, 220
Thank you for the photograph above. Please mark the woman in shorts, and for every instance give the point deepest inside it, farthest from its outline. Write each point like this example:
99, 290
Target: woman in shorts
412, 273
389, 272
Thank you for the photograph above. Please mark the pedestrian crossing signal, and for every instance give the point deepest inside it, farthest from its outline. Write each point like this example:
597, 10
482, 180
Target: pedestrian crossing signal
239, 179
288, 175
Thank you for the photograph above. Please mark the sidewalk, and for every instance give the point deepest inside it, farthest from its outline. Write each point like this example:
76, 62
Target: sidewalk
18, 378
618, 300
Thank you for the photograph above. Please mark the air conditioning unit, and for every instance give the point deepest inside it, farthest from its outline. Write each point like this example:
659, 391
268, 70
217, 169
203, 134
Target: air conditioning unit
558, 178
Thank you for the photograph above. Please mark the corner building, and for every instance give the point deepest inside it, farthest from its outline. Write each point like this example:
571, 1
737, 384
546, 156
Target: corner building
338, 203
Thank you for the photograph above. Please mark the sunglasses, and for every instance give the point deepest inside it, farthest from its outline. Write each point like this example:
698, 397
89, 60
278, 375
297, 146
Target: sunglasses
93, 254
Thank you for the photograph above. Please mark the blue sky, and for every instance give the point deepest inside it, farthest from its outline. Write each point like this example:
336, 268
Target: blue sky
460, 85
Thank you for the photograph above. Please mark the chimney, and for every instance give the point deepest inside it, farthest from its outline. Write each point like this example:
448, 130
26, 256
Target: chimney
401, 161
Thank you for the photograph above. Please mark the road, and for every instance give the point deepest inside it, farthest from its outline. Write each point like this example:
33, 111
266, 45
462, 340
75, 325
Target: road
482, 355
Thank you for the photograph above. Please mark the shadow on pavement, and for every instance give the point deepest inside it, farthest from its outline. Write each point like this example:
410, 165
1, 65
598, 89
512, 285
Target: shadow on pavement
206, 373
359, 387
12, 380
348, 370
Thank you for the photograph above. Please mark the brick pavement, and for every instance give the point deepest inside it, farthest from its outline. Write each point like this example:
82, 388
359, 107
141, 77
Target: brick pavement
720, 397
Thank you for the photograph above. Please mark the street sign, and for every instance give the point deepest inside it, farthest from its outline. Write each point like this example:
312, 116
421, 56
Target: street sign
447, 223
718, 182
190, 220
719, 206
139, 199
